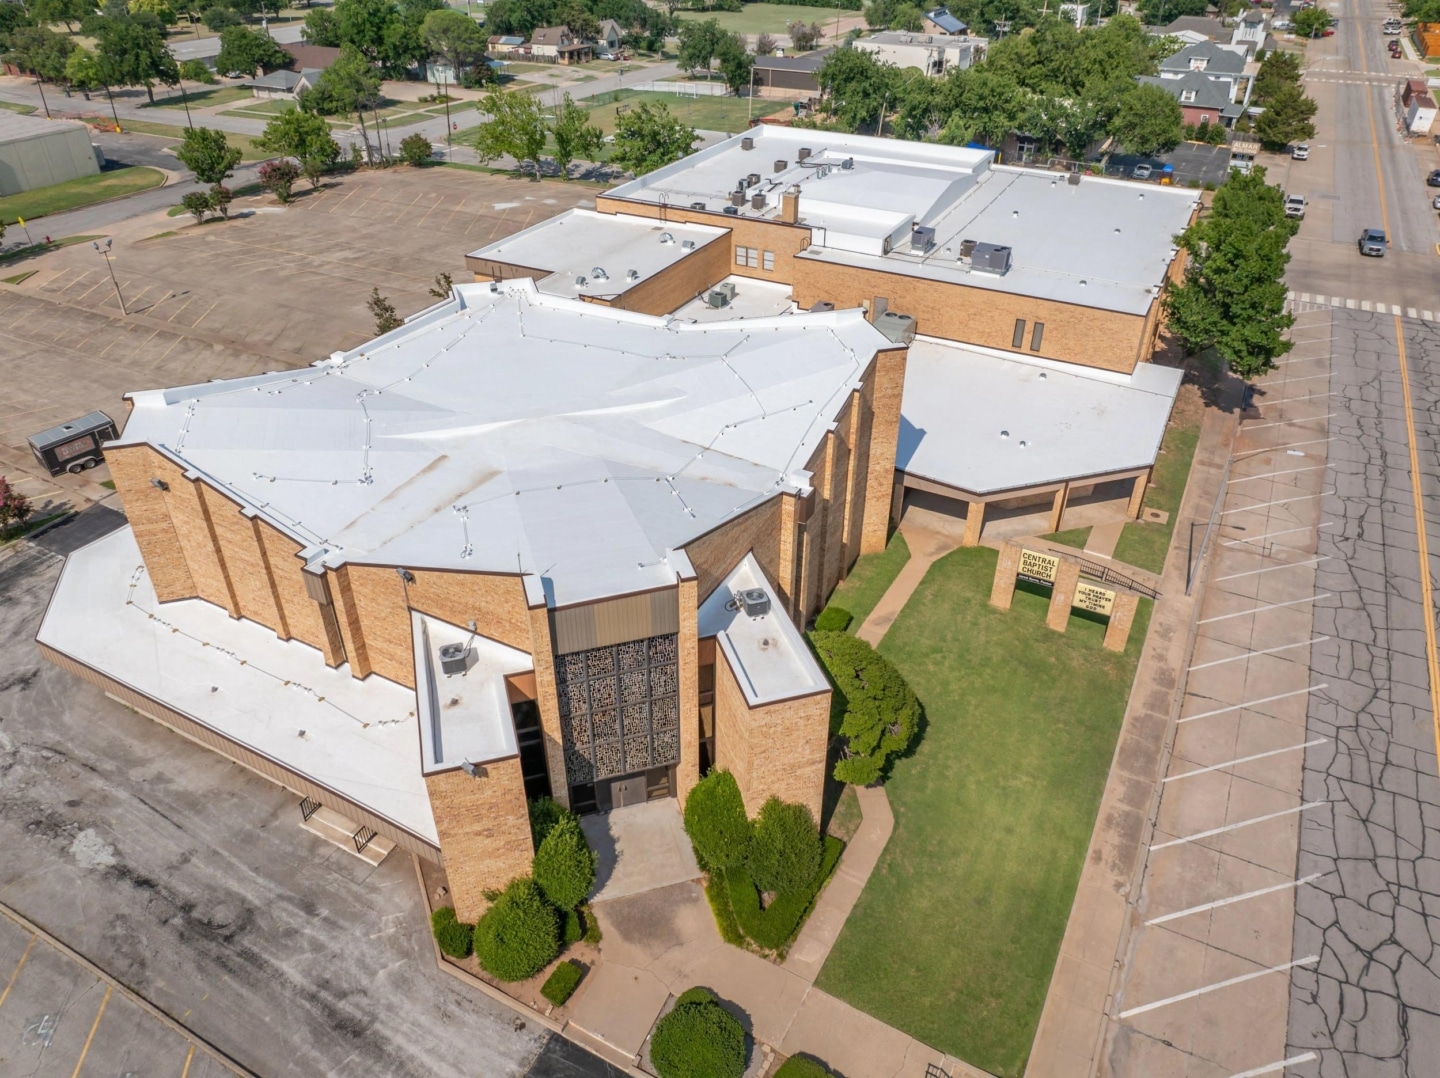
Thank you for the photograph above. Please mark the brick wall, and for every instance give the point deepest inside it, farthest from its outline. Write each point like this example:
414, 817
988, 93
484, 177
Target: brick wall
241, 560
717, 552
777, 750
131, 468
484, 829
687, 772
548, 701
886, 387
678, 284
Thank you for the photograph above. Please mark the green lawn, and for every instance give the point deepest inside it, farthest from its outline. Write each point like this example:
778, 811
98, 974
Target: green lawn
249, 151
1145, 545
707, 113
73, 194
257, 107
770, 18
15, 106
955, 936
1076, 537
214, 95
871, 575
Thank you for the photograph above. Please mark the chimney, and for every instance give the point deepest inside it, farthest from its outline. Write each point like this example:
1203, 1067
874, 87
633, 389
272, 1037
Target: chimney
790, 205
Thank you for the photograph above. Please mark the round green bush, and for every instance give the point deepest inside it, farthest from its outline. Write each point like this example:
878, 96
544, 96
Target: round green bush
519, 934
803, 1067
564, 865
785, 852
872, 708
698, 1039
833, 619
453, 937
716, 822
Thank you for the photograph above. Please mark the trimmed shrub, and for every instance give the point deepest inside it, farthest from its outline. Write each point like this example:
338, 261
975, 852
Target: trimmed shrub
717, 893
519, 934
803, 1067
698, 1039
716, 822
545, 813
453, 937
415, 150
562, 982
774, 927
564, 865
571, 930
872, 707
785, 852
833, 619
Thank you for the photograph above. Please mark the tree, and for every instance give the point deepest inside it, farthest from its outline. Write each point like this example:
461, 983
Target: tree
647, 137
516, 128
69, 12
804, 36
196, 71
1163, 12
1232, 297
1311, 22
518, 935
384, 311
40, 51
83, 71
735, 62
133, 52
444, 288
220, 199
699, 42
1278, 69
1149, 120
350, 84
454, 36
564, 866
15, 507
858, 88
1286, 119
305, 137
161, 9
980, 104
279, 177
196, 203
221, 17
243, 49
785, 852
206, 153
321, 28
764, 45
716, 822
415, 150
575, 136
873, 708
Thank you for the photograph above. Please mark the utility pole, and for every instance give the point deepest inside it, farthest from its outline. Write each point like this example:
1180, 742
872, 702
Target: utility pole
41, 87
750, 114
106, 252
446, 93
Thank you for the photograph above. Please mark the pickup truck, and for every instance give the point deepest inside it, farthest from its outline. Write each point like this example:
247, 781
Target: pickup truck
1295, 206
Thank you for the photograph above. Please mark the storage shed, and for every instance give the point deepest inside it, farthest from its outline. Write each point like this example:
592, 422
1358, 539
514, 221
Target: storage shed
35, 152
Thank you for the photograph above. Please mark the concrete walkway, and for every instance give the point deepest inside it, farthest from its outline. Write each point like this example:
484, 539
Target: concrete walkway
930, 537
1103, 538
1073, 1022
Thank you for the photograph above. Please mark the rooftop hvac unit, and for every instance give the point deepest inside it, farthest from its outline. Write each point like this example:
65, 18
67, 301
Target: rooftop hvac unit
757, 202
897, 327
991, 258
848, 164
1073, 179
922, 238
747, 143
781, 166
733, 211
737, 198
722, 295
752, 179
697, 205
755, 602
967, 250
454, 659
803, 154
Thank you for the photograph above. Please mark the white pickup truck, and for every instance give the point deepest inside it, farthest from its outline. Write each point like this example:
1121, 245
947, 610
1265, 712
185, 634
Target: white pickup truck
1295, 206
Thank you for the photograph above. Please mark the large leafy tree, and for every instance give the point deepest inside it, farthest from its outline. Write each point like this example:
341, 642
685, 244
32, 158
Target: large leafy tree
40, 51
648, 137
516, 128
857, 87
206, 153
305, 137
350, 84
455, 37
1232, 297
735, 62
244, 49
1311, 22
1276, 70
700, 42
1286, 119
1149, 120
132, 52
1164, 12
982, 105
575, 136
69, 12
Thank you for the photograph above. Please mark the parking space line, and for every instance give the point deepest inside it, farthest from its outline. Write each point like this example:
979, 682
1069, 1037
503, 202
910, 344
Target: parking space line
1302, 378
18, 967
1235, 826
1278, 501
109, 988
1283, 422
1244, 760
1275, 568
1285, 471
190, 1055
1183, 996
1252, 703
1286, 445
1248, 654
1283, 531
1287, 885
1266, 606
1272, 1068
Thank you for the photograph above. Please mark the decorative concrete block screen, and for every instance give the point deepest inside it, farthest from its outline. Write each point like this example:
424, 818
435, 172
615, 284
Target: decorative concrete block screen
619, 708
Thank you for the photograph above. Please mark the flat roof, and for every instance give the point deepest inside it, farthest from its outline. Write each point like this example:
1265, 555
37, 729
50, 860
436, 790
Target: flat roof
767, 655
1098, 243
986, 421
15, 126
754, 298
567, 249
275, 697
464, 717
506, 430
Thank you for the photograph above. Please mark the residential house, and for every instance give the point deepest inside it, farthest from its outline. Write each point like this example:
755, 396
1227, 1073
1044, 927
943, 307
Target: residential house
1202, 99
933, 54
559, 44
1193, 29
611, 35
940, 21
284, 84
1226, 64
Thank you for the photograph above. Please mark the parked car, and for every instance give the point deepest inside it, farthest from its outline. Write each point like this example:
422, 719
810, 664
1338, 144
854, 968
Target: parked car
1433, 180
1392, 27
1300, 151
1142, 172
1282, 24
1435, 202
1372, 242
1295, 206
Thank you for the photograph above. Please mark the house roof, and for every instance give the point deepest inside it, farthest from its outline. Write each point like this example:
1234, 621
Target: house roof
611, 24
1211, 29
1209, 93
942, 19
317, 57
1220, 59
476, 436
506, 39
549, 35
809, 61
283, 79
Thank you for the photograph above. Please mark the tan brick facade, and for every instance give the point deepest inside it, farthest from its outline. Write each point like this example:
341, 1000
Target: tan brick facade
131, 469
484, 828
885, 389
773, 751
687, 772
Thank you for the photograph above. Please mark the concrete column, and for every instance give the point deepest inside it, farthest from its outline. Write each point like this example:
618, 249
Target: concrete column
1057, 510
1062, 598
1122, 616
1002, 591
1137, 496
687, 771
974, 521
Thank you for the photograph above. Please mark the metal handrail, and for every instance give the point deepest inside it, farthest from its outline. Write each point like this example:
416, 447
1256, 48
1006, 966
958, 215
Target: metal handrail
1106, 575
308, 808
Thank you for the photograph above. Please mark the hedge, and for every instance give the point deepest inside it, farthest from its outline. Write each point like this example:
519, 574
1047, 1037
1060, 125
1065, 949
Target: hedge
564, 866
562, 982
716, 822
698, 1039
545, 813
803, 1067
774, 927
872, 707
833, 619
519, 935
785, 852
453, 937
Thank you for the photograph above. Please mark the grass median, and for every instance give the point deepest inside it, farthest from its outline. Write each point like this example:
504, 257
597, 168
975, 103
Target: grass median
955, 936
75, 194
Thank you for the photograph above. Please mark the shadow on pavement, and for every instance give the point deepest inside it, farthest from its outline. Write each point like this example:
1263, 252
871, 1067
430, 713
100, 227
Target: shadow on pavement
563, 1059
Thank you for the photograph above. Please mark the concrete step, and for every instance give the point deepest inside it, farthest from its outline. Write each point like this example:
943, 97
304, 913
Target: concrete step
340, 831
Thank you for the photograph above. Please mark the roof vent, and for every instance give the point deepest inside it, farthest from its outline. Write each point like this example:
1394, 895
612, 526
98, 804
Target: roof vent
747, 143
697, 205
803, 154
967, 251
454, 659
667, 237
737, 198
755, 602
1073, 179
848, 164
991, 258
687, 245
752, 179
581, 281
599, 274
632, 276
733, 211
821, 306
781, 165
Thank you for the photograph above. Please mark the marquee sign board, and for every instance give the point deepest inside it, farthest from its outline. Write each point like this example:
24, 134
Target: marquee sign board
1038, 568
1095, 600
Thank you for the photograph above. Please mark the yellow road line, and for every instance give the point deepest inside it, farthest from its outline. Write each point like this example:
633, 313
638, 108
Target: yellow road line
16, 975
188, 1057
93, 1027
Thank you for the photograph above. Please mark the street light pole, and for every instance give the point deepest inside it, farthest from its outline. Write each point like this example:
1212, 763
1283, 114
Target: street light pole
106, 252
446, 91
41, 87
